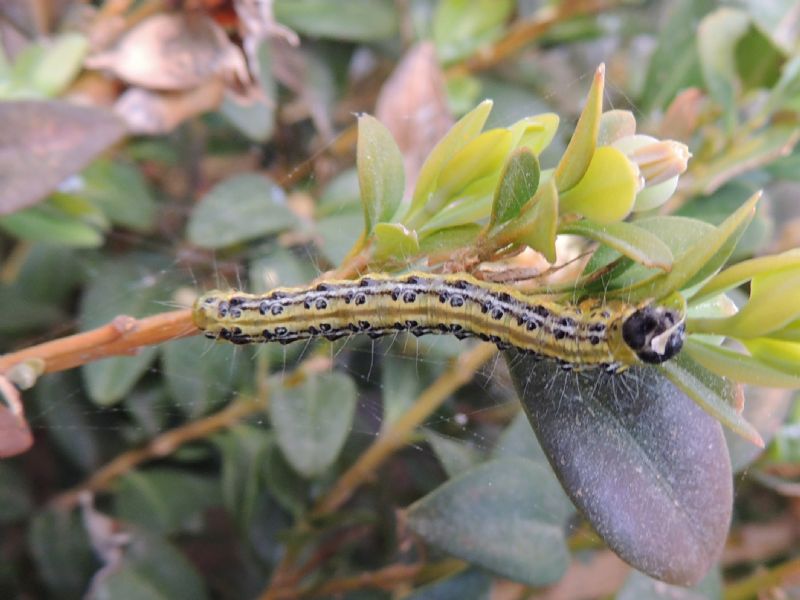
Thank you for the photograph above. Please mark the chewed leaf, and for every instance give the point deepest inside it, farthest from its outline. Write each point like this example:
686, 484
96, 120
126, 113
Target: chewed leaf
380, 171
607, 191
627, 239
648, 469
579, 152
506, 515
774, 303
745, 271
394, 241
517, 185
740, 367
467, 128
719, 397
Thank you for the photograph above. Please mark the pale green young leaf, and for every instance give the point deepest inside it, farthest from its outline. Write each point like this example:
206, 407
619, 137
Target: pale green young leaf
614, 125
740, 367
626, 238
393, 241
534, 132
380, 171
576, 158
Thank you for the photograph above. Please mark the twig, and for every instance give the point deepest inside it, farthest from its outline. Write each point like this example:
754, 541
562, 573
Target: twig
385, 579
460, 373
159, 447
762, 581
523, 33
123, 336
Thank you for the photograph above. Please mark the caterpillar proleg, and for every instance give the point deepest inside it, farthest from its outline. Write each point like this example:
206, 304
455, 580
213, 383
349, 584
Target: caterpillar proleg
591, 334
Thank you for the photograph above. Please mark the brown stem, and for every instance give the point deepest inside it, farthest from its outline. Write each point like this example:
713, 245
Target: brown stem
122, 336
159, 447
385, 579
524, 32
763, 581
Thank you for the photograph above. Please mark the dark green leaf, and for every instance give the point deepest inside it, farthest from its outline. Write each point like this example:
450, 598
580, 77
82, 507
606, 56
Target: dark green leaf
239, 209
312, 421
455, 455
15, 494
353, 20
60, 549
119, 190
151, 568
165, 500
471, 584
122, 287
501, 515
649, 470
518, 184
47, 223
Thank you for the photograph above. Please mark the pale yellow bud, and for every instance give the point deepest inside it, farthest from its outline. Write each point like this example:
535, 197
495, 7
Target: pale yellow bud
661, 161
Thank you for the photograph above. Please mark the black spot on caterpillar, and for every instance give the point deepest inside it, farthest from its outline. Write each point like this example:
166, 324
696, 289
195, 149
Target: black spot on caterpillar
592, 334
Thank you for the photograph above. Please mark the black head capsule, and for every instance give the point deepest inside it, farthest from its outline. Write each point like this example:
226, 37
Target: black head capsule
642, 332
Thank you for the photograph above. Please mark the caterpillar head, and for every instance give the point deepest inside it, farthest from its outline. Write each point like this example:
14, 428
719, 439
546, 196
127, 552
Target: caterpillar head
654, 333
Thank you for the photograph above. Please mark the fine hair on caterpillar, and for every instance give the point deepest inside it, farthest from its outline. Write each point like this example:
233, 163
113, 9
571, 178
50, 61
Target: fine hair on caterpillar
612, 335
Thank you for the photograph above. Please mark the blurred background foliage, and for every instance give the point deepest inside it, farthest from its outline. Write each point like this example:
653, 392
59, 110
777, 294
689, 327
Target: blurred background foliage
153, 148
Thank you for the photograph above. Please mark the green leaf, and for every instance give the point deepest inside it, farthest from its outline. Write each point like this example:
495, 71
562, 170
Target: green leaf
648, 469
59, 63
534, 133
787, 88
608, 189
577, 157
461, 27
627, 239
350, 20
288, 488
615, 125
394, 242
121, 287
200, 374
445, 240
675, 64
717, 36
455, 455
639, 586
401, 384
460, 134
536, 224
744, 271
60, 549
774, 303
501, 516
121, 193
517, 185
472, 584
380, 171
239, 209
739, 367
717, 396
702, 258
15, 494
244, 451
254, 115
467, 210
480, 158
781, 355
46, 223
150, 568
312, 421
165, 500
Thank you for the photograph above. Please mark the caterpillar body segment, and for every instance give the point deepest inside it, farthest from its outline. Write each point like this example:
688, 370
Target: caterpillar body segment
591, 334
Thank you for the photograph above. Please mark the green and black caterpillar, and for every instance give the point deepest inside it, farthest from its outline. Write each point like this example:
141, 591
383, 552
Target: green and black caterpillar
611, 335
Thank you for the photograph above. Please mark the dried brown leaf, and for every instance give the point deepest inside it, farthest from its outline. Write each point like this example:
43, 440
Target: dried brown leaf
413, 106
154, 113
173, 52
683, 115
43, 143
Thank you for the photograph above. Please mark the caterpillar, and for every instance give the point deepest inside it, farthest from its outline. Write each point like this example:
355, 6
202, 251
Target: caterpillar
590, 334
